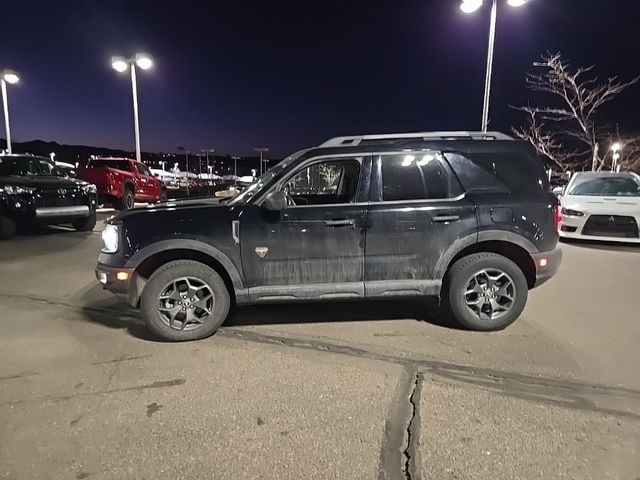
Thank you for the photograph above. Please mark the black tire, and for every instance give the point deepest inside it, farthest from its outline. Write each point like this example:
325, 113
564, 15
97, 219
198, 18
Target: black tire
163, 197
127, 202
86, 224
158, 322
462, 276
7, 228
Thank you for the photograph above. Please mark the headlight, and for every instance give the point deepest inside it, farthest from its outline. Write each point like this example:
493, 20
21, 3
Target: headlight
571, 213
91, 188
15, 190
110, 239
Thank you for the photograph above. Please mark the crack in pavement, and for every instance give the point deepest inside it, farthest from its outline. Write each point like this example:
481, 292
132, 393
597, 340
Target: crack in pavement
413, 465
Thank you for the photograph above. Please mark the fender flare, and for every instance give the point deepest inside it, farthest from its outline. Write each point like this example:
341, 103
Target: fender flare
483, 236
187, 244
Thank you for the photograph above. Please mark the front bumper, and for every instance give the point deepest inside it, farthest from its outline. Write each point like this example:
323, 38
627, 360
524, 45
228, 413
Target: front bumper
113, 279
30, 208
547, 265
573, 227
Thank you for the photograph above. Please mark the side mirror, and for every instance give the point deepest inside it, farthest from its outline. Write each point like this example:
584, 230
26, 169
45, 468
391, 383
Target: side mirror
275, 201
558, 191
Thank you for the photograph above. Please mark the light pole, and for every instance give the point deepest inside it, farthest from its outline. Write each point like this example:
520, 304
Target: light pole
470, 6
120, 64
616, 148
261, 150
235, 168
207, 152
11, 77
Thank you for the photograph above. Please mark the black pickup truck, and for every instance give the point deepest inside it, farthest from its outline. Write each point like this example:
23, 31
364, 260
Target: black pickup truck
468, 217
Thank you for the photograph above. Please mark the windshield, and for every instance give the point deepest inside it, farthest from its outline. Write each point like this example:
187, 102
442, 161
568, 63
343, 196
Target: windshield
605, 187
109, 163
28, 166
254, 188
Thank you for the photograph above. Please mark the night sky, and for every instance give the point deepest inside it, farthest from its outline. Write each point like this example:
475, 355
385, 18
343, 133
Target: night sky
239, 74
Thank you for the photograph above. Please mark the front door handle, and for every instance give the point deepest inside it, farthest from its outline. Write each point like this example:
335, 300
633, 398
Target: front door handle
340, 223
446, 218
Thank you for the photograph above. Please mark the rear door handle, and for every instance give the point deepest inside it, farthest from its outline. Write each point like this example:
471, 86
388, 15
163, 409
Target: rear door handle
446, 218
340, 223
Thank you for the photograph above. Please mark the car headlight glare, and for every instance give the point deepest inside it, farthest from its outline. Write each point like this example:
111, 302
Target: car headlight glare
110, 239
16, 190
90, 188
571, 213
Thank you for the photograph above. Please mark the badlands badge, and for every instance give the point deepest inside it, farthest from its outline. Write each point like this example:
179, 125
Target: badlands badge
262, 251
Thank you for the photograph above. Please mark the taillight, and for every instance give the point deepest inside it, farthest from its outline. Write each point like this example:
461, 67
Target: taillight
557, 216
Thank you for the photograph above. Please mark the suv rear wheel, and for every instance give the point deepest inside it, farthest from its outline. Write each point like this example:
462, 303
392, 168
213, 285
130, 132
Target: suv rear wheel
185, 300
486, 291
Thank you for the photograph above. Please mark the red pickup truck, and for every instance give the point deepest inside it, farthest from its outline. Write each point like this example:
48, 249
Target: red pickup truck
122, 182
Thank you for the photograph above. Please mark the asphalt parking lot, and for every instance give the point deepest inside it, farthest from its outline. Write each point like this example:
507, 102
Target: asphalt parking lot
350, 391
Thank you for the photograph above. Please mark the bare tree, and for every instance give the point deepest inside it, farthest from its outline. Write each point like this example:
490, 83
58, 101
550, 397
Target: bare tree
330, 172
546, 142
571, 119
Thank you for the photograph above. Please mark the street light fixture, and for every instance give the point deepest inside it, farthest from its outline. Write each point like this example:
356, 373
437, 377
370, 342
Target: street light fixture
121, 64
470, 6
11, 77
616, 148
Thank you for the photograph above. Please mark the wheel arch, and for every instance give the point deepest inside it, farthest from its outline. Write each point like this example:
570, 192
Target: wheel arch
146, 261
128, 183
512, 246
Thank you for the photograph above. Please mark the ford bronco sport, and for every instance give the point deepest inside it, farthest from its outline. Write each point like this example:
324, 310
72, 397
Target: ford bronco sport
467, 217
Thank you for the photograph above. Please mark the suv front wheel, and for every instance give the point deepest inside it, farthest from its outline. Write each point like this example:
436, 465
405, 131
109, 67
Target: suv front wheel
184, 300
486, 291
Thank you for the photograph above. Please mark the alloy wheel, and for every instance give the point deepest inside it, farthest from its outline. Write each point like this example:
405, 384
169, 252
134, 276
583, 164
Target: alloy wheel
490, 294
186, 303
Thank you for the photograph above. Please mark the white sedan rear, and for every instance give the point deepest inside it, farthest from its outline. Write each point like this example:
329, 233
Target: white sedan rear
601, 206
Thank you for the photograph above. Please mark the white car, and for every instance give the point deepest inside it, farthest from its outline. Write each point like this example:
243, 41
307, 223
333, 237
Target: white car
601, 206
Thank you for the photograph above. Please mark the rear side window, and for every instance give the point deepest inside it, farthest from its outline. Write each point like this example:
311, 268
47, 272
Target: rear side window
414, 176
108, 163
519, 172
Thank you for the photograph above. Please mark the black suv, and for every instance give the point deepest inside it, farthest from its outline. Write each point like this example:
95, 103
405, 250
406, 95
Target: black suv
33, 190
465, 216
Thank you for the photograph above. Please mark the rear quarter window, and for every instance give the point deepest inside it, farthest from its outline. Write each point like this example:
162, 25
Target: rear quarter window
517, 172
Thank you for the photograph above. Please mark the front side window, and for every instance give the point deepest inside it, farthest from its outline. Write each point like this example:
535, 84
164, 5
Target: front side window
414, 176
324, 183
142, 169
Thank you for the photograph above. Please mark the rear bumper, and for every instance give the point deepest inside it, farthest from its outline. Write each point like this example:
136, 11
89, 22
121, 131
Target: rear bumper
547, 265
127, 289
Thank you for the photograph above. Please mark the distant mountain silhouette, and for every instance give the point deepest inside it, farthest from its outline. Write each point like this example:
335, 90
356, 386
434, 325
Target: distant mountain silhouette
68, 153
80, 153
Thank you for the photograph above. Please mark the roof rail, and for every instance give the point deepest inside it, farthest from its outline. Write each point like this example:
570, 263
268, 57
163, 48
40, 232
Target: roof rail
357, 139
